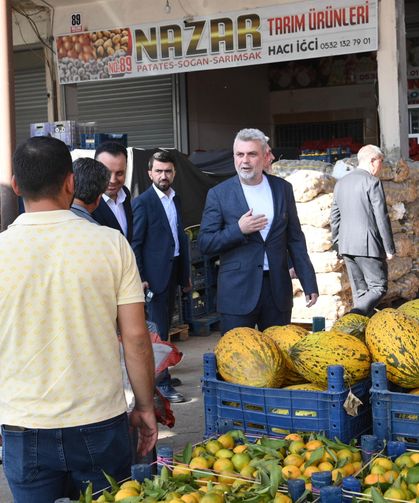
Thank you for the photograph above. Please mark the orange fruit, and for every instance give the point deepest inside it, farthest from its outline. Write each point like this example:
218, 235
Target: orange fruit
226, 440
125, 493
310, 470
181, 471
325, 466
291, 472
212, 446
296, 446
222, 465
345, 454
312, 445
199, 463
293, 459
239, 449
224, 453
294, 436
240, 461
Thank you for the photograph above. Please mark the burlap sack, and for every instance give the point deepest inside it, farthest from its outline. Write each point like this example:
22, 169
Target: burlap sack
398, 267
316, 212
307, 184
318, 239
405, 245
326, 261
330, 307
404, 192
398, 171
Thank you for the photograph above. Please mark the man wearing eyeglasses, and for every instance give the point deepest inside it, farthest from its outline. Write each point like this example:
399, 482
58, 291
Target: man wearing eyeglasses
361, 229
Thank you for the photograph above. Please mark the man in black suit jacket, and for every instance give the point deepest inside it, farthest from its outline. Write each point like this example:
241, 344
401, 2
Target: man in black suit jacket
251, 221
114, 209
361, 229
161, 248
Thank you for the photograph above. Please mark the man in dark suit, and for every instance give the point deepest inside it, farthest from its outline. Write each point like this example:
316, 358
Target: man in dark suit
114, 209
251, 221
361, 229
161, 248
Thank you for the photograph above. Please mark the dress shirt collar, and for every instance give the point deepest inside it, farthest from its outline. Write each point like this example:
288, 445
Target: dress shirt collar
161, 194
120, 197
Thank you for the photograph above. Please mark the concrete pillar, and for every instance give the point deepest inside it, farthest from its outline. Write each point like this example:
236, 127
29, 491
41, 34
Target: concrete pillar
392, 78
8, 200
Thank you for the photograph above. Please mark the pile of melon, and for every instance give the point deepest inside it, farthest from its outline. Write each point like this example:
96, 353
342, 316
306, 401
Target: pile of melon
294, 358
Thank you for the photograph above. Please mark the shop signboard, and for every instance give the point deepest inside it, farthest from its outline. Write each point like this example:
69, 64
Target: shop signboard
284, 32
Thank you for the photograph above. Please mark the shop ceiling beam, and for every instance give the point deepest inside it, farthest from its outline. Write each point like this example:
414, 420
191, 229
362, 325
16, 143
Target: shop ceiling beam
392, 79
8, 200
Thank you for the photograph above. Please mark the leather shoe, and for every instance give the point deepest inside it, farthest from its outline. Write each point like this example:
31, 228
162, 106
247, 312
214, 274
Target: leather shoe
171, 394
174, 381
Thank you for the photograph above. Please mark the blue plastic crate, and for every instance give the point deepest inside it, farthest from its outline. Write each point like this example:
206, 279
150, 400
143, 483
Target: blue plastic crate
272, 411
93, 140
395, 414
194, 308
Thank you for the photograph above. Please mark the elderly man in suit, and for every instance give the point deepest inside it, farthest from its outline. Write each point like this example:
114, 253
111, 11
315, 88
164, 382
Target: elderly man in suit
251, 221
361, 230
114, 209
161, 248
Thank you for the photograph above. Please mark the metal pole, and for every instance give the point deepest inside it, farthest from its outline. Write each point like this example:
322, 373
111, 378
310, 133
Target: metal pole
8, 199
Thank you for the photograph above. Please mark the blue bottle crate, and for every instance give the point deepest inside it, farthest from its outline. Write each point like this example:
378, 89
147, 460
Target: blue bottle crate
395, 414
274, 412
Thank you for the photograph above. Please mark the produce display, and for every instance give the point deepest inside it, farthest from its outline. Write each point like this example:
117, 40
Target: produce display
246, 356
394, 480
314, 352
352, 324
285, 337
235, 469
392, 338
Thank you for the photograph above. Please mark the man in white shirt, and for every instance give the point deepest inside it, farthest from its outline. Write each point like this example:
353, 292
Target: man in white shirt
251, 221
114, 209
161, 248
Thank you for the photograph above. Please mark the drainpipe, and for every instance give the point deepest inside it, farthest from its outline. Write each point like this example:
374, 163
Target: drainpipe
8, 199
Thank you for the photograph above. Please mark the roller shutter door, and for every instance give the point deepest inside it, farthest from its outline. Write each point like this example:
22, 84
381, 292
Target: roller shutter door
31, 103
143, 108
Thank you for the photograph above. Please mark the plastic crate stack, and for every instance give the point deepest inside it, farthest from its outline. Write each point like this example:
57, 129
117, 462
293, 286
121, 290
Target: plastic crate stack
276, 412
199, 305
395, 412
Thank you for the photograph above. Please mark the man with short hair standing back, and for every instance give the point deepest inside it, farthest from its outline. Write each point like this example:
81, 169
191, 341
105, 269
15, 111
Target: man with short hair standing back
91, 179
114, 209
65, 285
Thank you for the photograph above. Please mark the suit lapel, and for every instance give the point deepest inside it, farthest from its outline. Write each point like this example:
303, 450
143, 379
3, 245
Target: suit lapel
277, 201
109, 216
158, 205
242, 203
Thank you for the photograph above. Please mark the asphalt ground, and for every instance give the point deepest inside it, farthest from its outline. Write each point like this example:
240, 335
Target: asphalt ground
189, 415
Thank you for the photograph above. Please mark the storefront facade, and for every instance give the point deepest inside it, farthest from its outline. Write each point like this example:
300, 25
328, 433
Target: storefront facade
189, 74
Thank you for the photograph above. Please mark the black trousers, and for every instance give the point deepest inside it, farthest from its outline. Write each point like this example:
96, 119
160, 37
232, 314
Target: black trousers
264, 315
160, 309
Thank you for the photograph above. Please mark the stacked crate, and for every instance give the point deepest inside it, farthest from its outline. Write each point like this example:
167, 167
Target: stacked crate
199, 305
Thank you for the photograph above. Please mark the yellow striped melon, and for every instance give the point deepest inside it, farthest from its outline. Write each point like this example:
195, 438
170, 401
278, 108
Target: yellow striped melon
313, 353
410, 308
245, 356
352, 324
285, 337
393, 338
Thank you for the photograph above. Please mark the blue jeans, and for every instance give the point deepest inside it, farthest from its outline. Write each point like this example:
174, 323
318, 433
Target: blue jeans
42, 465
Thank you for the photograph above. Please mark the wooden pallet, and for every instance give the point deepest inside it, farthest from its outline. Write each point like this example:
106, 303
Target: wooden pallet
179, 333
204, 325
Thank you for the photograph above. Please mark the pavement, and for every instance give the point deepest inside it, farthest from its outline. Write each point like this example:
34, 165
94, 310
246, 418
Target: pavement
189, 415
